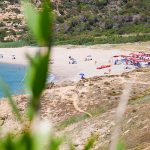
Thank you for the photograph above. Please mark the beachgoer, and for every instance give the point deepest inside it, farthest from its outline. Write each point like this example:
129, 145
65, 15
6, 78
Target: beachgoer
82, 75
105, 73
13, 57
1, 55
127, 67
85, 59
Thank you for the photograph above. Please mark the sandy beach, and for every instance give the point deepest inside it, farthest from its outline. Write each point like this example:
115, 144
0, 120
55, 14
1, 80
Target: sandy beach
100, 54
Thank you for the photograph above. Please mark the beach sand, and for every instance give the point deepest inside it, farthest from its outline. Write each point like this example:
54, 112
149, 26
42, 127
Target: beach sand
61, 68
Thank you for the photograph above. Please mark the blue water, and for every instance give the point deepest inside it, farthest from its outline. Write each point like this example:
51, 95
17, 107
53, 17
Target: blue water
14, 75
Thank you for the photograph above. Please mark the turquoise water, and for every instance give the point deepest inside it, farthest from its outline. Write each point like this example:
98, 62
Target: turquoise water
14, 75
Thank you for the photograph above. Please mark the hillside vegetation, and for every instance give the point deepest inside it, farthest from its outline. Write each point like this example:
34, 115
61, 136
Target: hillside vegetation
84, 21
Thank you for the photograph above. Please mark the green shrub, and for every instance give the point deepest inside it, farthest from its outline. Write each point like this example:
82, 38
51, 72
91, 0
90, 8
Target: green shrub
13, 44
60, 19
86, 39
101, 3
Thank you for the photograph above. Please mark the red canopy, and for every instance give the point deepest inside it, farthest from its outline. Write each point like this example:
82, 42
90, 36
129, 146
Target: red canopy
125, 56
135, 54
147, 55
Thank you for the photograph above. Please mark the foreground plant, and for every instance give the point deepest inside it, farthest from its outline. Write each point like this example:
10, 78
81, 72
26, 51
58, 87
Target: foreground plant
38, 135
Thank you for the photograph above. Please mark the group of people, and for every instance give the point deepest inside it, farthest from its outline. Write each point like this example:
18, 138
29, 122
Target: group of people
135, 59
2, 56
74, 61
88, 58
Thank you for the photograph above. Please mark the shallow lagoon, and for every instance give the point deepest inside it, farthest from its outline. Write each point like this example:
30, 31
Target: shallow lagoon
13, 75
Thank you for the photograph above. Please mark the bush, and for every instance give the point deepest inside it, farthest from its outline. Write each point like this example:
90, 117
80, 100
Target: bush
101, 3
60, 19
91, 40
13, 44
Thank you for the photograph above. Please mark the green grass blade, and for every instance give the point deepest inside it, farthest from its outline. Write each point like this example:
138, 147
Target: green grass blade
121, 145
36, 80
39, 22
55, 142
90, 142
32, 18
12, 103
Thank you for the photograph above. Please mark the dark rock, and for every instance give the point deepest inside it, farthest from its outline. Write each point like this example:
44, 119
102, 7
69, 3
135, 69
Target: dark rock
106, 83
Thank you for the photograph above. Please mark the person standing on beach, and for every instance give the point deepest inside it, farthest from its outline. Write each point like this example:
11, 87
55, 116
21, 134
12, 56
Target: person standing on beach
82, 75
109, 70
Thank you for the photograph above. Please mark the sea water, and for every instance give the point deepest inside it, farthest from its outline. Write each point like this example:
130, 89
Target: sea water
13, 75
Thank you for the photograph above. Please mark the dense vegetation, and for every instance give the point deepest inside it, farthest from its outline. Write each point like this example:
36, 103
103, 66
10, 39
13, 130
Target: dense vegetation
102, 19
98, 15
97, 21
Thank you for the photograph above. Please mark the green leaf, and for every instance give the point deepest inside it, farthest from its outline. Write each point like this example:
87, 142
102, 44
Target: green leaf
71, 146
55, 142
121, 145
12, 103
40, 22
46, 23
25, 142
90, 142
36, 80
8, 143
32, 18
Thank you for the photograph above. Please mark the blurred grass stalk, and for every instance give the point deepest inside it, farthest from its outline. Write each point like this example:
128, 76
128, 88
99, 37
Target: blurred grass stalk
40, 24
120, 114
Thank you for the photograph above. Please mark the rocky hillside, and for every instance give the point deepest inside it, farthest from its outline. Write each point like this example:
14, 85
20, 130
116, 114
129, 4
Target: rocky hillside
96, 17
12, 26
